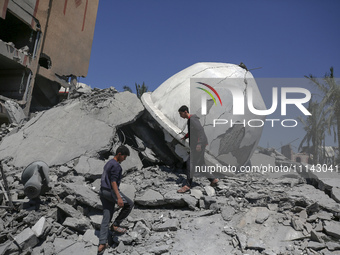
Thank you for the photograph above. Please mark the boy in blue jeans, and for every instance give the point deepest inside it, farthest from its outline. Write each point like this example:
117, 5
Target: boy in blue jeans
110, 195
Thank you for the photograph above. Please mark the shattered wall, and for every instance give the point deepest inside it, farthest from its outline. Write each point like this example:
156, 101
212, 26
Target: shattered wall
43, 44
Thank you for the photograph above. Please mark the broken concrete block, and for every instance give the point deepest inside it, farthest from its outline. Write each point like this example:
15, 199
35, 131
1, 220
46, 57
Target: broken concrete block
196, 193
170, 224
227, 212
81, 118
141, 229
83, 194
89, 167
210, 191
38, 227
174, 198
332, 246
316, 245
26, 239
150, 198
332, 228
314, 236
90, 236
69, 210
262, 216
78, 224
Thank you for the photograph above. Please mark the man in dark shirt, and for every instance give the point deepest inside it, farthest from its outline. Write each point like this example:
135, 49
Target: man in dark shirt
197, 142
110, 195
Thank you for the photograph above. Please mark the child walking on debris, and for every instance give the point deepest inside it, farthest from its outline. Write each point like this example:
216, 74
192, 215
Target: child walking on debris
110, 195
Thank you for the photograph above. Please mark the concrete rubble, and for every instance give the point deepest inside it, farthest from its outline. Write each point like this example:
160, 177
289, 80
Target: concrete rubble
248, 213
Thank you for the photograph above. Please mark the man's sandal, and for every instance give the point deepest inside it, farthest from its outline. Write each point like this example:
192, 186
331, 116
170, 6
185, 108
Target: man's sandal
101, 251
184, 189
117, 229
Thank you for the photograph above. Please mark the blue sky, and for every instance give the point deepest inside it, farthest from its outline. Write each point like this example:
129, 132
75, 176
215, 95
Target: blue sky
149, 41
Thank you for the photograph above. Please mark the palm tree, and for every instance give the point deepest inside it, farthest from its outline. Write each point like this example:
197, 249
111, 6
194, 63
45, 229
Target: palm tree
314, 125
140, 89
330, 102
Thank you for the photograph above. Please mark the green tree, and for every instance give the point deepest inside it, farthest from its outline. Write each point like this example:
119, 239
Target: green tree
314, 125
330, 102
127, 88
140, 89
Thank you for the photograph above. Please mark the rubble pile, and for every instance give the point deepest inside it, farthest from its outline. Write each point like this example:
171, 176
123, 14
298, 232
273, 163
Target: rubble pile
247, 213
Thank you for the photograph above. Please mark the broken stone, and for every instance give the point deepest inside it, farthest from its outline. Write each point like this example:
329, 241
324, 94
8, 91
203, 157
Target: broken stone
332, 246
98, 120
150, 198
210, 191
262, 216
38, 227
26, 239
227, 212
332, 228
89, 167
90, 236
316, 245
314, 236
170, 224
83, 194
78, 224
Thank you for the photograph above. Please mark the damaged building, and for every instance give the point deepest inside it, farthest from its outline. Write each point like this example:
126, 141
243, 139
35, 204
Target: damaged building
44, 46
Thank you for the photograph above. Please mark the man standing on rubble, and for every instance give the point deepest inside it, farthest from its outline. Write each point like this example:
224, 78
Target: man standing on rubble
197, 143
111, 195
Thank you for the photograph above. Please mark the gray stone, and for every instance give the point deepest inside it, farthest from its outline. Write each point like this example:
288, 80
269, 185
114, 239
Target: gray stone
150, 198
314, 236
332, 246
78, 224
196, 193
160, 249
297, 224
91, 237
69, 210
174, 198
26, 239
210, 191
141, 229
332, 228
38, 227
14, 112
312, 196
78, 248
262, 216
83, 194
90, 167
190, 201
170, 224
253, 243
90, 126
121, 248
316, 245
71, 200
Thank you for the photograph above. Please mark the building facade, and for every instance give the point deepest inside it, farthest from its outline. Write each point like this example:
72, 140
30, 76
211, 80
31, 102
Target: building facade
44, 45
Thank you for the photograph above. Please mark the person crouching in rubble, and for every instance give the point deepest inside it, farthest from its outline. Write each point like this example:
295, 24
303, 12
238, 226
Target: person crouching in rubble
110, 195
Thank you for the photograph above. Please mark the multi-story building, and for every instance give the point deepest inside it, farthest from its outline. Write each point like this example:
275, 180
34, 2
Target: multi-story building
44, 45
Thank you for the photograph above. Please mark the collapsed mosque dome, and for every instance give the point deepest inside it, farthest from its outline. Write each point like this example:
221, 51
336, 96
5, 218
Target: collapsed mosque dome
213, 91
